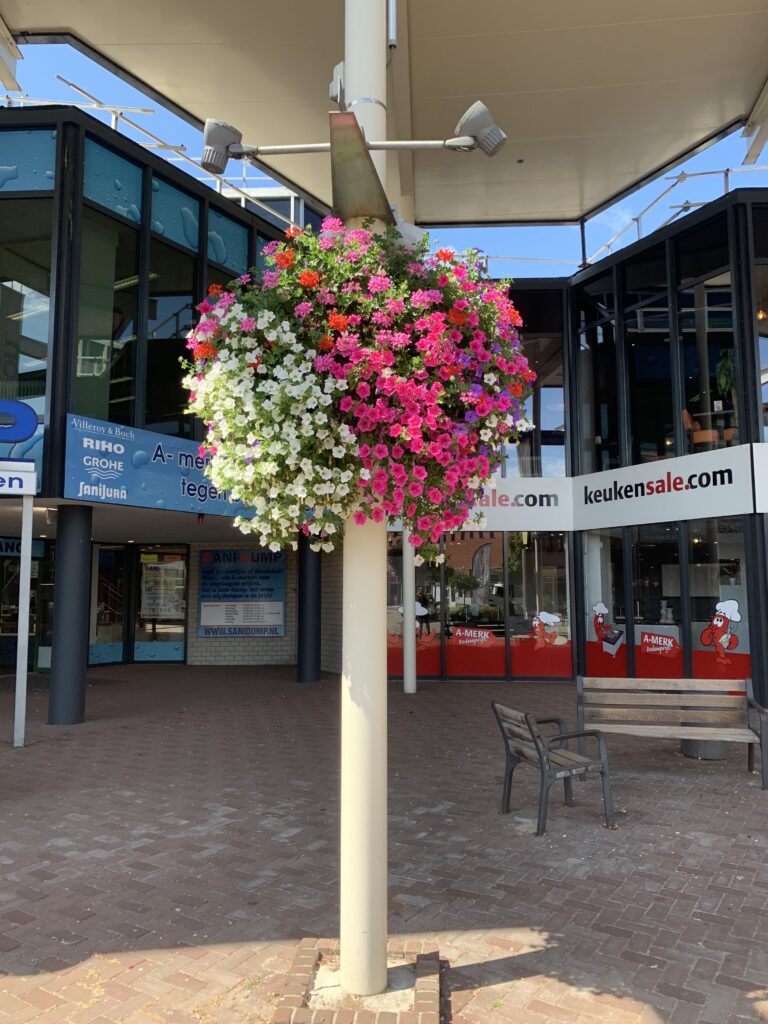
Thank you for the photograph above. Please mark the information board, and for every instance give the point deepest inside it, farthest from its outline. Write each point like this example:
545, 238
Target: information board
242, 592
121, 465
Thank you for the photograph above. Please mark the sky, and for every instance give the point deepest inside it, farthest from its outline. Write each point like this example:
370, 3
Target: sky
519, 252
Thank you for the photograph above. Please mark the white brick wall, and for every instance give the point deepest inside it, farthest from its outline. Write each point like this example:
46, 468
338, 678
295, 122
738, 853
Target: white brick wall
240, 650
330, 639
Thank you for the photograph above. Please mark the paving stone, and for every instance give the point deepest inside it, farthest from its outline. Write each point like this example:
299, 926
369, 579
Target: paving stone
171, 859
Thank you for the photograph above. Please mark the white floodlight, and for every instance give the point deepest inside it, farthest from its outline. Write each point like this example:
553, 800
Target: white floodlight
478, 123
218, 138
475, 130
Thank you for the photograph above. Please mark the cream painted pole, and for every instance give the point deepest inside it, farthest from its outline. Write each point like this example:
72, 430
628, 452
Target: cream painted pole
409, 604
364, 631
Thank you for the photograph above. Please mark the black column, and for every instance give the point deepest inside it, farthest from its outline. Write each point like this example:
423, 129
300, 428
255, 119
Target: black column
71, 615
308, 659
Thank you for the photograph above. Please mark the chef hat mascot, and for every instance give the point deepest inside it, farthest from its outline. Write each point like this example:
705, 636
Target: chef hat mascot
601, 629
540, 631
719, 632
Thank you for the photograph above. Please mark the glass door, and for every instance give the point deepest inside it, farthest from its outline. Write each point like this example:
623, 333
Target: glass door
108, 589
161, 610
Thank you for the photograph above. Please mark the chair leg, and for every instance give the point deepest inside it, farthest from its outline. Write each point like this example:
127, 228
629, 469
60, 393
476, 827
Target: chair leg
541, 823
764, 764
610, 821
507, 791
751, 757
568, 783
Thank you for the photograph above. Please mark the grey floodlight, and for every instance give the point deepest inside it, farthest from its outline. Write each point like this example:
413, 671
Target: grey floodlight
218, 138
478, 123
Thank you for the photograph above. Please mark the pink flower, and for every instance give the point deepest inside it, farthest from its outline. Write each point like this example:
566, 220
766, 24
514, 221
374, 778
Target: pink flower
363, 390
379, 283
415, 540
380, 451
303, 309
415, 489
435, 495
377, 514
332, 224
360, 518
346, 403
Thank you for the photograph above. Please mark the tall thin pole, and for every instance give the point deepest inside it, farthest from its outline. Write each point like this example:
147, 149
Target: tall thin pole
409, 603
22, 640
364, 630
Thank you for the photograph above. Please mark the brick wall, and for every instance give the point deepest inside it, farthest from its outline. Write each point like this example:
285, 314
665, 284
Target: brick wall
330, 637
244, 650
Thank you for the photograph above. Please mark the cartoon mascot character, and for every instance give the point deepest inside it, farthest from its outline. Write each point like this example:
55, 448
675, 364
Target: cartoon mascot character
602, 629
718, 633
542, 630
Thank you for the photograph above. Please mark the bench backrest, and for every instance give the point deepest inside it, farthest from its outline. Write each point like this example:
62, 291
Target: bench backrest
521, 734
678, 702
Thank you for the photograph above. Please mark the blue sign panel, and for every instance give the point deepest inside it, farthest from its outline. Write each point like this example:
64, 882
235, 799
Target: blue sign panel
120, 465
242, 592
10, 547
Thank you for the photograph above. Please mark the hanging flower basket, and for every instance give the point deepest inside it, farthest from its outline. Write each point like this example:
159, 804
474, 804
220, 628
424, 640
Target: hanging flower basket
356, 377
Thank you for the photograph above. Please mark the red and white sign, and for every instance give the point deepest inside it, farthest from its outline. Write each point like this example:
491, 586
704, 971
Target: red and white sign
658, 643
470, 636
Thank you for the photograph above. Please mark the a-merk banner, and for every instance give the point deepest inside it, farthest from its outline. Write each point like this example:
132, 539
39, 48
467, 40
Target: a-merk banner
717, 483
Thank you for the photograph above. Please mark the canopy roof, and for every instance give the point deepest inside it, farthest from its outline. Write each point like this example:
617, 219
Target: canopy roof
595, 96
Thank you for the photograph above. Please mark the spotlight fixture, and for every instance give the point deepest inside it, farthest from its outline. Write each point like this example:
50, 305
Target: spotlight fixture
476, 130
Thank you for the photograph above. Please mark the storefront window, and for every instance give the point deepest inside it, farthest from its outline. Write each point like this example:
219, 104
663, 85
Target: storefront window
474, 582
657, 601
539, 619
28, 162
718, 599
598, 404
604, 602
649, 365
25, 289
425, 620
160, 629
107, 605
227, 242
171, 313
175, 214
541, 451
112, 181
761, 321
710, 416
106, 342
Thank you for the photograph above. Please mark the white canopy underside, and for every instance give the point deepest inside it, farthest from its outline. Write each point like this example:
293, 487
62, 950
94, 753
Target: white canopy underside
595, 96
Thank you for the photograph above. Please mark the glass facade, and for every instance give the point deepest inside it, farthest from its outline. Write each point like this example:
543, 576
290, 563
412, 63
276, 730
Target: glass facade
161, 612
656, 601
25, 311
112, 181
541, 451
499, 607
171, 314
28, 161
105, 364
605, 606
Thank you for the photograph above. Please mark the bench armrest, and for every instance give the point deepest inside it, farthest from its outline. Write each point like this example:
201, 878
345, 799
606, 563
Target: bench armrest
588, 734
559, 722
755, 710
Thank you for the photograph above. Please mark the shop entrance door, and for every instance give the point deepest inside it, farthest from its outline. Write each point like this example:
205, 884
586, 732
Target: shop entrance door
161, 608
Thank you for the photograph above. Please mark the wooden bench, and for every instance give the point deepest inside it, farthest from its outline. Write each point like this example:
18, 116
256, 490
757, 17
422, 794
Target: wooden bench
524, 741
686, 709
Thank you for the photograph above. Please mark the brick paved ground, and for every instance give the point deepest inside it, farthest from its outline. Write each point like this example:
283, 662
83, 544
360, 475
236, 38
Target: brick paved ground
160, 863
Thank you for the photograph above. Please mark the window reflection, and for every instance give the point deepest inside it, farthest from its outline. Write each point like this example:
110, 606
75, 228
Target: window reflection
425, 619
657, 601
106, 343
171, 313
649, 361
541, 451
604, 603
474, 583
761, 322
598, 409
539, 620
710, 415
717, 575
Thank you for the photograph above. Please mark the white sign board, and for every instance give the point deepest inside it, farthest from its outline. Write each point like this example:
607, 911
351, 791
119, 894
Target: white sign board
527, 503
717, 483
760, 468
17, 478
